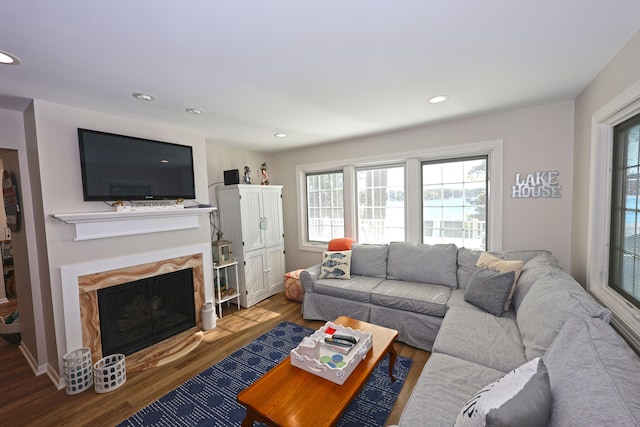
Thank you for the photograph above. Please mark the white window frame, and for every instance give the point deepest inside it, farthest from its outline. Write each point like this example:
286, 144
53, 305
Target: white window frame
413, 195
626, 317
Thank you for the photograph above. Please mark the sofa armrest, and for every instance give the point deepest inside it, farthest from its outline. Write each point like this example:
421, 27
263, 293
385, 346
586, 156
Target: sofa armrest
308, 276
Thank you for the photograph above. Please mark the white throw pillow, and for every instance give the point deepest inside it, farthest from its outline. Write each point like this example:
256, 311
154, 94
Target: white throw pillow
521, 398
336, 265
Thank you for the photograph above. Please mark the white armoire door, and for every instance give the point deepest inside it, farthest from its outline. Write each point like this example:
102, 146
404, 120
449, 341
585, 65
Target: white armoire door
272, 214
251, 215
274, 277
255, 270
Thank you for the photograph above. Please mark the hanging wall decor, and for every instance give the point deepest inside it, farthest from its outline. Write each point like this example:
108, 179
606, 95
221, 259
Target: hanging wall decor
536, 185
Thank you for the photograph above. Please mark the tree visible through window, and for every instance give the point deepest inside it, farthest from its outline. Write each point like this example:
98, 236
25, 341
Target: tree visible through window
624, 262
454, 202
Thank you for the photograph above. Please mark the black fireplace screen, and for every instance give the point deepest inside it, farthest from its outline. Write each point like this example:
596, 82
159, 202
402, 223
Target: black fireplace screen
138, 314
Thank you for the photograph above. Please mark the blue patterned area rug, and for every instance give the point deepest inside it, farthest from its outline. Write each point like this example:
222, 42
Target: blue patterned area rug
209, 399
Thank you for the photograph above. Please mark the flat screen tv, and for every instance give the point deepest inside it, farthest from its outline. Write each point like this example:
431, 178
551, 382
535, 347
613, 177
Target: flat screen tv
118, 167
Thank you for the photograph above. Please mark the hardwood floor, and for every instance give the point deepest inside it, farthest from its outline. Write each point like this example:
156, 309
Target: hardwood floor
27, 400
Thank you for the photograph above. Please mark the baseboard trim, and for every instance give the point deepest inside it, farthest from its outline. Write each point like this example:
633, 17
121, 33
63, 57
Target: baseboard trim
37, 370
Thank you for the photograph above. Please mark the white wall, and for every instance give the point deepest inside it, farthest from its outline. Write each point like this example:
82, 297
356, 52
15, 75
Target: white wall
535, 139
60, 177
221, 158
622, 72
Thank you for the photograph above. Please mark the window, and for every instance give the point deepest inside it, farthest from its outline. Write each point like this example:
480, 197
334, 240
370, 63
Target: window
380, 204
612, 251
396, 197
624, 257
325, 206
454, 202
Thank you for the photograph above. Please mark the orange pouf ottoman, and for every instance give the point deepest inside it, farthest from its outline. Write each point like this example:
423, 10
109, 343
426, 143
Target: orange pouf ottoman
292, 286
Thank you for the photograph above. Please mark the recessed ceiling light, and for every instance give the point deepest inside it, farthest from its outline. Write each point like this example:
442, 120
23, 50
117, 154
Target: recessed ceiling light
8, 58
194, 111
144, 96
438, 99
280, 135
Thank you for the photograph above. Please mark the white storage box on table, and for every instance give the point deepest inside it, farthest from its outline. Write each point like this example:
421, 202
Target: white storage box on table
337, 372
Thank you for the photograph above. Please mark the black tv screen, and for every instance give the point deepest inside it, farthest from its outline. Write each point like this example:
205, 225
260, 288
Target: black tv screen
118, 167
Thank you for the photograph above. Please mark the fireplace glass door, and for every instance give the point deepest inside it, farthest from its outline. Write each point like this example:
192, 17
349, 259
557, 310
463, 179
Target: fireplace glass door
138, 314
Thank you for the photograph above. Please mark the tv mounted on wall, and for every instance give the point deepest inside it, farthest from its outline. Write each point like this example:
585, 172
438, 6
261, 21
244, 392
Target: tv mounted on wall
118, 167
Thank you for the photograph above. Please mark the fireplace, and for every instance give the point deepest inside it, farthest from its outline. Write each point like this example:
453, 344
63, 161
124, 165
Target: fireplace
138, 314
90, 319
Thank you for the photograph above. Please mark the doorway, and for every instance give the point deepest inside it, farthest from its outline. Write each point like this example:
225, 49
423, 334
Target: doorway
10, 233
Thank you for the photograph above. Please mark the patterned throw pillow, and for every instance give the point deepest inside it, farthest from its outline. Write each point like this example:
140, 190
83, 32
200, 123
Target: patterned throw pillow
520, 398
336, 265
493, 263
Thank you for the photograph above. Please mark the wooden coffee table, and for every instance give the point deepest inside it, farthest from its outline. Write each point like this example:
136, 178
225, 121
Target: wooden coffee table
290, 396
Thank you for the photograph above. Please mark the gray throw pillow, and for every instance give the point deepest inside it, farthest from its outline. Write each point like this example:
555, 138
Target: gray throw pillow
489, 290
520, 398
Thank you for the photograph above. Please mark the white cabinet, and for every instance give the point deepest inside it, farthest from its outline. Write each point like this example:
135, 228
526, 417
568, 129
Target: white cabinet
251, 217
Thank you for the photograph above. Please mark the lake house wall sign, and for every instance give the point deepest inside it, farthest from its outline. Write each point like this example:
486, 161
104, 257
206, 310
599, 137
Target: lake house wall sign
537, 185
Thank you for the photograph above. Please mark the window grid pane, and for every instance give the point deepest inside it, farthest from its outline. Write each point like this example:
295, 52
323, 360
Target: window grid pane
624, 272
454, 202
381, 215
325, 208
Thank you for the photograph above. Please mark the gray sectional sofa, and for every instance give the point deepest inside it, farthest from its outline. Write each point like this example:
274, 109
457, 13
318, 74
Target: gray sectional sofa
592, 375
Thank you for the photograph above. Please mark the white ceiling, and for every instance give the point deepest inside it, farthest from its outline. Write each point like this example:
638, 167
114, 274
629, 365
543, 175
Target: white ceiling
317, 70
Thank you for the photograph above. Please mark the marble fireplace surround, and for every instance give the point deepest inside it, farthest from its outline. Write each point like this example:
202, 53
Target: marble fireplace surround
82, 281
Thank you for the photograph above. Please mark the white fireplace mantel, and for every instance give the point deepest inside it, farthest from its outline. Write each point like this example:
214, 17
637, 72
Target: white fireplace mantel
100, 225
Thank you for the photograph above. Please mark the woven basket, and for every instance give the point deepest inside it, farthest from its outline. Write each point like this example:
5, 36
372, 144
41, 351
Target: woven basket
10, 332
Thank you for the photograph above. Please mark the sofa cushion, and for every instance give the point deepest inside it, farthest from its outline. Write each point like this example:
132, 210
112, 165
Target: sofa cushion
489, 290
457, 300
467, 260
490, 262
358, 288
410, 296
552, 299
532, 270
336, 265
522, 255
482, 338
418, 262
444, 385
595, 376
369, 260
520, 398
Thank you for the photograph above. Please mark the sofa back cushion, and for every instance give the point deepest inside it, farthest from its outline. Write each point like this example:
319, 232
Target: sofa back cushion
532, 270
418, 262
467, 259
593, 375
553, 298
369, 260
